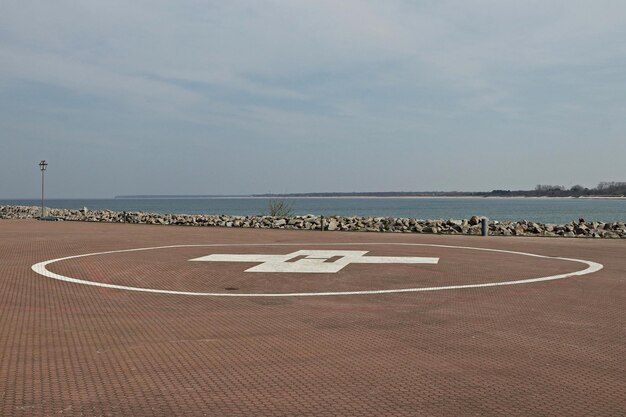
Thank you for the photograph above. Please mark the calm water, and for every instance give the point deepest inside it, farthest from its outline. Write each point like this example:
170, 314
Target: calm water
553, 210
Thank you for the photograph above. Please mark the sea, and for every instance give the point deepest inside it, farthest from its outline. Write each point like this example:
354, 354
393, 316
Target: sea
545, 210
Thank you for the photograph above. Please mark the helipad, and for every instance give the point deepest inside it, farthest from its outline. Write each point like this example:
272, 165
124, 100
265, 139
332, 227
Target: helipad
316, 261
110, 319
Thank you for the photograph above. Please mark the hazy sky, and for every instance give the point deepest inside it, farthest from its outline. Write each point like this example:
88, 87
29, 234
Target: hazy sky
223, 97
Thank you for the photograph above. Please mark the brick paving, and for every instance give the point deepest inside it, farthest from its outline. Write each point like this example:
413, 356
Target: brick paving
548, 348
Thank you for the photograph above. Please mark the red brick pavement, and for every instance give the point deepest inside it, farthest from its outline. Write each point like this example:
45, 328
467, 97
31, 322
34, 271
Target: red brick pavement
548, 348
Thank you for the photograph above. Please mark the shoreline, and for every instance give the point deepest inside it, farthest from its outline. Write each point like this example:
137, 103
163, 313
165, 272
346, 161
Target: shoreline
328, 198
473, 226
445, 197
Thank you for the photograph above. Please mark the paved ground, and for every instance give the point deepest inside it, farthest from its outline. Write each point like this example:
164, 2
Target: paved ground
545, 348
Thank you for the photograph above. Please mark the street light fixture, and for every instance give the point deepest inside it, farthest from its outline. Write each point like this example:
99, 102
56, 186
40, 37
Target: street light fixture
42, 165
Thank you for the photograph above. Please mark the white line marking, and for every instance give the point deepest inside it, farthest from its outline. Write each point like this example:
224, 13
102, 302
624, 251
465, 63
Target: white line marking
41, 269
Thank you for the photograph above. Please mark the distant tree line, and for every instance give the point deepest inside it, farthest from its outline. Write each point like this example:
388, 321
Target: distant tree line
603, 189
606, 189
378, 194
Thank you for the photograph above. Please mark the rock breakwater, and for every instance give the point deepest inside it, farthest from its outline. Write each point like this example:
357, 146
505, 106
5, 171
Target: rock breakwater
470, 226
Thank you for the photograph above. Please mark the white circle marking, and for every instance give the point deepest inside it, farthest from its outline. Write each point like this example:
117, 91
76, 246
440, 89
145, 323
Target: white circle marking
41, 269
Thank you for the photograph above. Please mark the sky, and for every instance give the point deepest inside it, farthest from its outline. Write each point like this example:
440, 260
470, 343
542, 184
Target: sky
240, 97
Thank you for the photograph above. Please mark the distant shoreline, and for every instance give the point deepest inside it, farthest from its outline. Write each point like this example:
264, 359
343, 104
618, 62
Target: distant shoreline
253, 197
367, 196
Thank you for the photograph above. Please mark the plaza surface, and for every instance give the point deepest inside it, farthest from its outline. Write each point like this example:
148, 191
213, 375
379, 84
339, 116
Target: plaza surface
169, 321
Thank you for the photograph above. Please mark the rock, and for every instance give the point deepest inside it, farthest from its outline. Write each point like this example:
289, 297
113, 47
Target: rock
474, 220
608, 230
581, 229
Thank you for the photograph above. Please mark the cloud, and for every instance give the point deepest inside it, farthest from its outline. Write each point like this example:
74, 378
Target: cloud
461, 46
432, 74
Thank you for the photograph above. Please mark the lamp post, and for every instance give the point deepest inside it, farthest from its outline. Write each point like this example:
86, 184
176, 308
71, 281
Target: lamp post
42, 165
